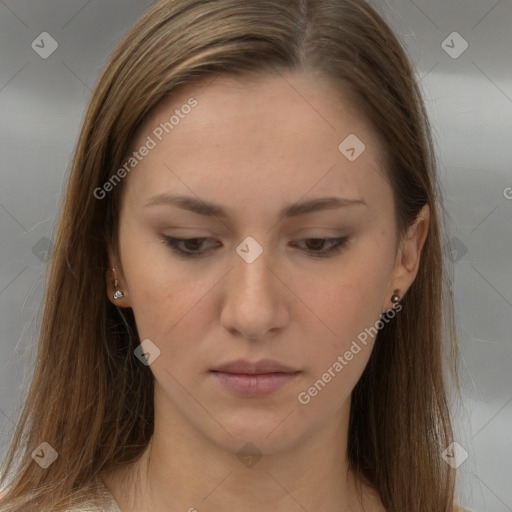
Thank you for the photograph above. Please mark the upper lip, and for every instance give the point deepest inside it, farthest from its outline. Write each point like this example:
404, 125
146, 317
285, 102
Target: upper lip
254, 367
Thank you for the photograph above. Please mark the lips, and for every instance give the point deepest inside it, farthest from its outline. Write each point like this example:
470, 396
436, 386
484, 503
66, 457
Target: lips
248, 379
256, 367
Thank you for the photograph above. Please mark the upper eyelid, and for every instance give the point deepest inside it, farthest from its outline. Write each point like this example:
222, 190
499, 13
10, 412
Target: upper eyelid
213, 236
185, 239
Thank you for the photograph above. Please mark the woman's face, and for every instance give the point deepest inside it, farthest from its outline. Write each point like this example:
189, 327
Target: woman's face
248, 291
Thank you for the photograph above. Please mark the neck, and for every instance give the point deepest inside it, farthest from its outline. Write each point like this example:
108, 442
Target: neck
183, 470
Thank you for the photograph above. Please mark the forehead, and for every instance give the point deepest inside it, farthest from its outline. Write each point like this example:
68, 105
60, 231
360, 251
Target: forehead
275, 136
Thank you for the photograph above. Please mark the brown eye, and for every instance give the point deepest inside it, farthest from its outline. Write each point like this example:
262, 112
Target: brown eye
191, 246
315, 249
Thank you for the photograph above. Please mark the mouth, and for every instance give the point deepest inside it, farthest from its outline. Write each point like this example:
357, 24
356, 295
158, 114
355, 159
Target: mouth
254, 379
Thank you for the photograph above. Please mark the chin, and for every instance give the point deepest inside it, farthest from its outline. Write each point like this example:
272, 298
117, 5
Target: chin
267, 431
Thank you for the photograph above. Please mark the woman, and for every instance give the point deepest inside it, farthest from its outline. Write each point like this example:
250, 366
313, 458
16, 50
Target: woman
247, 307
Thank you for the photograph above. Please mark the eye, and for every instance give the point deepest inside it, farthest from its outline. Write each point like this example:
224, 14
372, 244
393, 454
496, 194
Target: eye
191, 246
315, 249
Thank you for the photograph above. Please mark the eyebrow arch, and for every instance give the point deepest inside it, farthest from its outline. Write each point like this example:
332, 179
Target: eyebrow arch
205, 208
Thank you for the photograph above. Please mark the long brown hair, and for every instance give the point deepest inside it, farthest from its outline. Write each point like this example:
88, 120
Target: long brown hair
90, 399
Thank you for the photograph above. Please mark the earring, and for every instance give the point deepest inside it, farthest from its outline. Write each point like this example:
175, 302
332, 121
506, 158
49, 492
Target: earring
118, 294
395, 298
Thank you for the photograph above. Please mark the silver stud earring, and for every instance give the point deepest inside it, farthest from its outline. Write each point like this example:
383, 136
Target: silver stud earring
118, 294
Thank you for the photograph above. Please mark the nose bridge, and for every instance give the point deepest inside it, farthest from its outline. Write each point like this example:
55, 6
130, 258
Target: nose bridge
252, 303
251, 267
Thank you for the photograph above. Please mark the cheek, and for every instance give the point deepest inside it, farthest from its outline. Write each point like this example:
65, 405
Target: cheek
350, 297
330, 387
161, 295
339, 357
349, 304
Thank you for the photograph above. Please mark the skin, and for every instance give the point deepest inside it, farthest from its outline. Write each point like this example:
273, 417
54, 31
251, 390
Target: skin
244, 141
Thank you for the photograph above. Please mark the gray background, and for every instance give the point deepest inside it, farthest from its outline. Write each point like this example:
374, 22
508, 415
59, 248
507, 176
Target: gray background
469, 98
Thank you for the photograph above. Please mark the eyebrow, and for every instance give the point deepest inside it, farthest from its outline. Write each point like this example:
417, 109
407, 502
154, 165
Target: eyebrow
206, 208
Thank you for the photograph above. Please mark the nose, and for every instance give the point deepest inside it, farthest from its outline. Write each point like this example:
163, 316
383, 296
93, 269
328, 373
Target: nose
256, 301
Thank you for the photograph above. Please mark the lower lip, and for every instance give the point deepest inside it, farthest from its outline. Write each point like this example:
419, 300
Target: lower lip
254, 385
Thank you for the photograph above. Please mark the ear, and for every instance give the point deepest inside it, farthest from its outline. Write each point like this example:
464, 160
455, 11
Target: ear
408, 256
113, 273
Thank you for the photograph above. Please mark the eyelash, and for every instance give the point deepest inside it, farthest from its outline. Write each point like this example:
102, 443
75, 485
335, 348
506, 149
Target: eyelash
339, 244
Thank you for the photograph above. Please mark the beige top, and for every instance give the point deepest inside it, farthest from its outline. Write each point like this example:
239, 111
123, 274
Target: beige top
103, 501
110, 504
